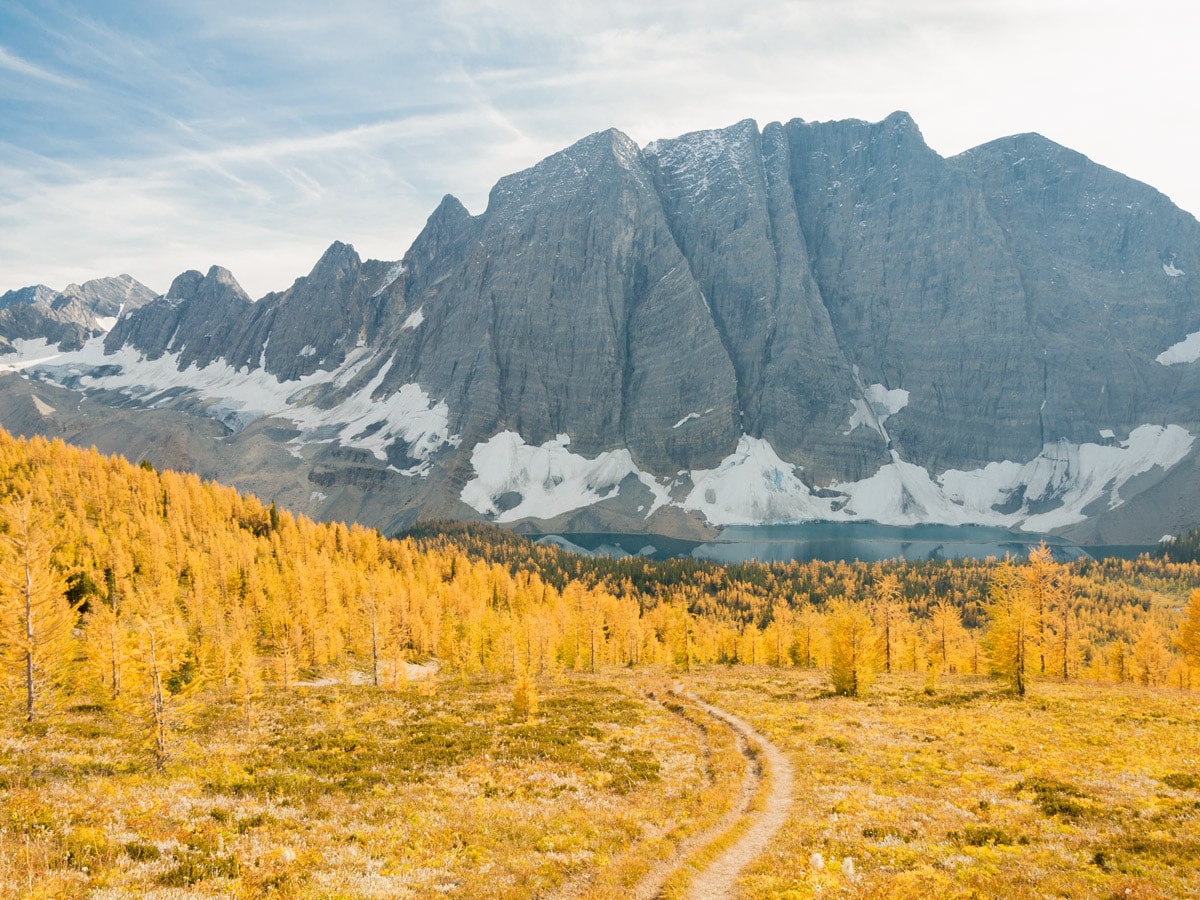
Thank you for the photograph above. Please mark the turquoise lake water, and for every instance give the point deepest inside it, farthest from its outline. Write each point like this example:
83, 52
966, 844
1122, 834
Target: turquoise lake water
864, 541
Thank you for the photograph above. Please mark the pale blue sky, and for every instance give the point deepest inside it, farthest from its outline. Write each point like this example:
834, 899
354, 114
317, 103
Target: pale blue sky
151, 137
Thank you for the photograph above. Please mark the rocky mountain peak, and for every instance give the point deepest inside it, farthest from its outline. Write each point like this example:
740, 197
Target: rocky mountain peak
582, 168
185, 285
337, 262
195, 318
109, 296
70, 317
37, 293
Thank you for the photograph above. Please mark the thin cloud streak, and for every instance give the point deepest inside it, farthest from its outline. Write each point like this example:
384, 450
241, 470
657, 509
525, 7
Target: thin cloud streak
14, 63
210, 133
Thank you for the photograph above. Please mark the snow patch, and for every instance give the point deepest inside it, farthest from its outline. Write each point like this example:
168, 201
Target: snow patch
42, 406
875, 407
753, 485
1072, 475
1186, 351
308, 350
389, 279
1172, 272
900, 493
690, 416
1107, 434
414, 319
237, 397
106, 323
546, 481
316, 497
29, 354
374, 424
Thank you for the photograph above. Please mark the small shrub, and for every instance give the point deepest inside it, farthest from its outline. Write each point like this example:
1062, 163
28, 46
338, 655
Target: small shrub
882, 832
1182, 781
986, 835
139, 852
525, 696
193, 867
1056, 797
631, 768
85, 846
840, 744
258, 820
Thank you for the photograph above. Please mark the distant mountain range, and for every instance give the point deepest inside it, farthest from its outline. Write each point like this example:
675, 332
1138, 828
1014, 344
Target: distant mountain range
803, 321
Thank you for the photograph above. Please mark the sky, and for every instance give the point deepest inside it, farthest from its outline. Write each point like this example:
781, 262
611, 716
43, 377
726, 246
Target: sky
153, 137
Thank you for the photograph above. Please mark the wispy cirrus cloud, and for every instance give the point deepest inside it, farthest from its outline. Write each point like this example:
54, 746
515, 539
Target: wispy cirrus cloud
18, 66
149, 138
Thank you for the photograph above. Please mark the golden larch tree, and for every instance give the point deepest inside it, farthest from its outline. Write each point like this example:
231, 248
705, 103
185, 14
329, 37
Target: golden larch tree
853, 649
1188, 639
888, 612
36, 620
1014, 627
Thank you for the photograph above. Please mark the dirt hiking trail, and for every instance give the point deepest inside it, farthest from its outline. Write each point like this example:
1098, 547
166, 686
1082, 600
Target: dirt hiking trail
716, 880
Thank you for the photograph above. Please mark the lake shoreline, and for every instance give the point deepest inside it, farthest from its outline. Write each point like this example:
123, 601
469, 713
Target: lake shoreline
835, 541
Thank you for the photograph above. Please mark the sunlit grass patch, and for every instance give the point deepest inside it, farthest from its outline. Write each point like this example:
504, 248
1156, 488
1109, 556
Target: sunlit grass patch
348, 791
1080, 790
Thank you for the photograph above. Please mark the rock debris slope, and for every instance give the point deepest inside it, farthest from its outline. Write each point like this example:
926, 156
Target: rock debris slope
807, 320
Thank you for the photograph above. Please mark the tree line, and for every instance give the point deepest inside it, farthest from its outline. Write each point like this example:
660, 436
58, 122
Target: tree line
141, 591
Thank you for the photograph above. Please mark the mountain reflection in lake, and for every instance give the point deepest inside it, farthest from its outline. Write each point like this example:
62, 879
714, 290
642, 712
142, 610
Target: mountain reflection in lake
870, 542
847, 541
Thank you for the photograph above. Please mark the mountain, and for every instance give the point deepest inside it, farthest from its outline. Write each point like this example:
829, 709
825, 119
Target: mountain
808, 320
70, 317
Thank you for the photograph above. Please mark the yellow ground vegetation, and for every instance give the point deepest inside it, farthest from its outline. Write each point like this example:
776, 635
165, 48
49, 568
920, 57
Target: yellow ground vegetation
965, 791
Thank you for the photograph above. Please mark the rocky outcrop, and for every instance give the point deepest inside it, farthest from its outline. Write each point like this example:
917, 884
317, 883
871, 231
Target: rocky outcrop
108, 297
198, 318
69, 317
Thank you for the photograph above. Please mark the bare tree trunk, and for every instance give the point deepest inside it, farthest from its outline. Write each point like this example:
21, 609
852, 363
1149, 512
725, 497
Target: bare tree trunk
1066, 641
374, 646
159, 707
29, 642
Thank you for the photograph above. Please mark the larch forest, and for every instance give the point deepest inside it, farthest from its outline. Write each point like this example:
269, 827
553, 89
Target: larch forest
206, 695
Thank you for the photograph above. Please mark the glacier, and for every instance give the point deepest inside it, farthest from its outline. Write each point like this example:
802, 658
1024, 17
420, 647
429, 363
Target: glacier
240, 397
754, 486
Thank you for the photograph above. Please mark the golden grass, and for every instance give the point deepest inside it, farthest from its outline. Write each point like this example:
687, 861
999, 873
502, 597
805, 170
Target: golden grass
719, 767
1080, 790
1076, 791
352, 792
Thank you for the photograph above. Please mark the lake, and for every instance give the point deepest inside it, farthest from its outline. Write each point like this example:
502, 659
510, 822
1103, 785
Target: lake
864, 541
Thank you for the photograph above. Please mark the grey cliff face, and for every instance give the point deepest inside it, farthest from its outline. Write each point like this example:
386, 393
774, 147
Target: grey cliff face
196, 318
320, 318
837, 291
920, 288
567, 308
1096, 253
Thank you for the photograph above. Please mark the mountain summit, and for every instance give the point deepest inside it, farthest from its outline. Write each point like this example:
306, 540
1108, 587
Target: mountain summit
811, 320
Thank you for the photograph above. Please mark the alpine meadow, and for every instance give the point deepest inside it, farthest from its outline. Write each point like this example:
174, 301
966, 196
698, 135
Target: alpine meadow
205, 695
